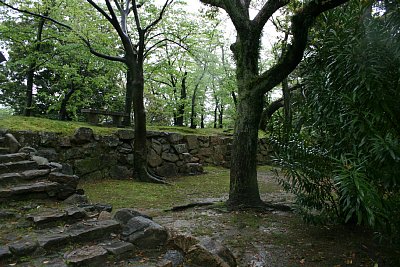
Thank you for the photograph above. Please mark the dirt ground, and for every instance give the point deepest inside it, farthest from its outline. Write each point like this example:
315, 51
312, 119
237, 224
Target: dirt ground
278, 238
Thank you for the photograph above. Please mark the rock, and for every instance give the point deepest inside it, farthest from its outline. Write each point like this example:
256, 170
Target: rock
104, 215
181, 148
87, 165
117, 248
87, 256
124, 215
64, 142
53, 240
157, 146
33, 174
125, 134
12, 143
120, 172
75, 213
5, 214
27, 245
153, 159
82, 135
167, 169
77, 199
125, 148
173, 258
28, 150
49, 153
192, 141
40, 161
61, 178
110, 140
144, 233
96, 207
210, 253
170, 157
182, 241
187, 157
4, 253
47, 217
175, 138
90, 230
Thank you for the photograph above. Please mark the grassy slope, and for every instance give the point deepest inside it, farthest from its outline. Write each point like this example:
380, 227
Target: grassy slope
68, 127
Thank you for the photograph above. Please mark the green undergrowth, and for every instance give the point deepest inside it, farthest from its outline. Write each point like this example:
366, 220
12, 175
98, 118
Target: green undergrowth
128, 193
184, 190
35, 124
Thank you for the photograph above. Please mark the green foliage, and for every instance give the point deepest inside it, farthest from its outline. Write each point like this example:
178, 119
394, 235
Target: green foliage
349, 108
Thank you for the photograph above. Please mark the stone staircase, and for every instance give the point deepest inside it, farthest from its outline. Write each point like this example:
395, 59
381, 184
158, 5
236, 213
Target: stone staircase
46, 221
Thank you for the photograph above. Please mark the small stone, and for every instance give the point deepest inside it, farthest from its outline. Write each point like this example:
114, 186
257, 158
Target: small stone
28, 150
77, 199
118, 247
104, 215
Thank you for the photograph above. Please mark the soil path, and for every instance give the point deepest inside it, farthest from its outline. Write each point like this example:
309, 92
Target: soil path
277, 238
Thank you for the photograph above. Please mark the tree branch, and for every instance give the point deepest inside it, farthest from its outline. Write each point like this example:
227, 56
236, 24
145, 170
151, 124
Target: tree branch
161, 14
36, 15
94, 52
301, 23
269, 8
216, 3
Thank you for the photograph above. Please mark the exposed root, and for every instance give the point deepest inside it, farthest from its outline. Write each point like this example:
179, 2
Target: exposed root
153, 178
191, 205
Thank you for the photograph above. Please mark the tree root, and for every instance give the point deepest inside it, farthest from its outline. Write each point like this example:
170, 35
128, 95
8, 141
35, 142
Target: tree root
153, 178
190, 205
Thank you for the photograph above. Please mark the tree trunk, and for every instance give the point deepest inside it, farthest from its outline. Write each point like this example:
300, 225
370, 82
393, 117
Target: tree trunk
128, 98
221, 116
31, 71
136, 85
287, 124
244, 191
193, 113
63, 115
181, 108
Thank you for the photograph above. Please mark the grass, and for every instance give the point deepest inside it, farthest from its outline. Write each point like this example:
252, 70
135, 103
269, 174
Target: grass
213, 184
65, 128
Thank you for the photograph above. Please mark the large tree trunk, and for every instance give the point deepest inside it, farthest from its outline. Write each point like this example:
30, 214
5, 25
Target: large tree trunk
244, 191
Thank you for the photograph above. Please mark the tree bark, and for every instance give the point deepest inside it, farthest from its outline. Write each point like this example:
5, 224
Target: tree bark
128, 98
63, 115
30, 76
181, 107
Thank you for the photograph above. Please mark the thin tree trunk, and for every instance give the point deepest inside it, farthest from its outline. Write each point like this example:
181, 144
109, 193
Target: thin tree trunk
63, 115
221, 116
287, 124
128, 98
31, 71
181, 108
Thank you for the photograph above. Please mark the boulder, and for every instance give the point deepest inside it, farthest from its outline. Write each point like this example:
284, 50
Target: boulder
172, 258
167, 170
24, 246
144, 233
124, 134
157, 146
76, 199
170, 157
83, 135
210, 253
120, 172
124, 215
48, 153
87, 256
153, 159
12, 143
41, 161
192, 142
175, 138
181, 148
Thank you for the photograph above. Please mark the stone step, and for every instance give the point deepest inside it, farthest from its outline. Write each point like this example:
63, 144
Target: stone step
19, 166
13, 157
8, 179
55, 216
37, 190
4, 150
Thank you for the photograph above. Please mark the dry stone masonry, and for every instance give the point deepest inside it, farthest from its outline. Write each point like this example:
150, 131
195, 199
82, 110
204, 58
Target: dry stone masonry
92, 156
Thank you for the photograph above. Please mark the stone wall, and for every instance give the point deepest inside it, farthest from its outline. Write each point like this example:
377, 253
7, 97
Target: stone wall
93, 156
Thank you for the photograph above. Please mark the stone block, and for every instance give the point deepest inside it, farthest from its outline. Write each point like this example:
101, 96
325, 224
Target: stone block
125, 134
87, 256
181, 148
170, 157
167, 170
83, 135
117, 248
25, 246
124, 215
175, 138
153, 159
120, 172
192, 141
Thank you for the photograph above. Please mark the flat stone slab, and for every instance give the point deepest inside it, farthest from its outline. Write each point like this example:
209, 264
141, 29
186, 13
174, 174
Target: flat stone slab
13, 157
91, 230
117, 247
25, 246
18, 166
53, 241
5, 253
69, 215
34, 174
87, 256
27, 190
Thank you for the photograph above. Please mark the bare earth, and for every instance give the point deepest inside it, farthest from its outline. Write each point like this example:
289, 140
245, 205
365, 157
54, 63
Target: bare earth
278, 238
